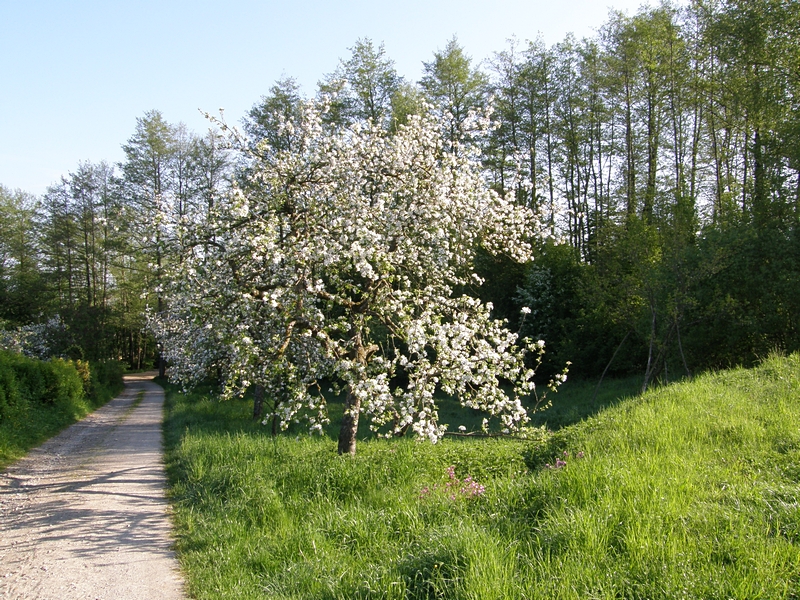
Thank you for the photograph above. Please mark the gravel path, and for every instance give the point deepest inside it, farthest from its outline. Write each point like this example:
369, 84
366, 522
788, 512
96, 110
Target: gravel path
84, 515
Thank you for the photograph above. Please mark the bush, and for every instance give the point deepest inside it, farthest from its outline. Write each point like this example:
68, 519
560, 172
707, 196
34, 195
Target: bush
66, 383
85, 373
39, 398
10, 397
26, 381
105, 380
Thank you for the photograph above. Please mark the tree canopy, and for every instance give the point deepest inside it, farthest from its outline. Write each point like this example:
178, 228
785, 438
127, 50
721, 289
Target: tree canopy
351, 256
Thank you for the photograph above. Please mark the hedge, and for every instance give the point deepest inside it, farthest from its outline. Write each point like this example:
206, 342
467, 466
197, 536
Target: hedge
27, 382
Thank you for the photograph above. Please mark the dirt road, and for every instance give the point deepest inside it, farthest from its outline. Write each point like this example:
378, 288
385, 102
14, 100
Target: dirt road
84, 515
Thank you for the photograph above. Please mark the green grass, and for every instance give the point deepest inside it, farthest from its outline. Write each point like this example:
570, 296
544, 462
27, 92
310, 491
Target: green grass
688, 491
39, 423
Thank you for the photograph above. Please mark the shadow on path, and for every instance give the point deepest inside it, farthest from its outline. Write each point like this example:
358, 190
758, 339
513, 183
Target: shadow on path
85, 516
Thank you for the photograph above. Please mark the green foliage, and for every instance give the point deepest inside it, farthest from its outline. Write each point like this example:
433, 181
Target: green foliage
686, 491
747, 295
363, 86
455, 87
554, 288
39, 398
10, 398
66, 384
43, 382
74, 353
105, 380
265, 121
664, 151
21, 285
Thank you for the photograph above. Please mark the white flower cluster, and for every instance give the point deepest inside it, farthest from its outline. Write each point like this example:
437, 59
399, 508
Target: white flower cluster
340, 259
35, 340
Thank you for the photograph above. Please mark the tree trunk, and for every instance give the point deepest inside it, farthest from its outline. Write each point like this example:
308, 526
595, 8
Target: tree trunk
630, 159
258, 402
613, 356
349, 428
760, 190
650, 365
352, 405
680, 347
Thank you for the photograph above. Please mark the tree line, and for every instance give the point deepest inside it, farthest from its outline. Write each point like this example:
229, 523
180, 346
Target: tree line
661, 155
85, 259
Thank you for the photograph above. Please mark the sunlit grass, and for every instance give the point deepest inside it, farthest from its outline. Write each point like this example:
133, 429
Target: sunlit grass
688, 491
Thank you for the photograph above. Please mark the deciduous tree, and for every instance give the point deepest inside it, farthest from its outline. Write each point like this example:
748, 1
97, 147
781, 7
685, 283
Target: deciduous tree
348, 257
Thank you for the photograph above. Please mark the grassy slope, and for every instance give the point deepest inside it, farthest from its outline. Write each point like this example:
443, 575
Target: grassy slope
688, 491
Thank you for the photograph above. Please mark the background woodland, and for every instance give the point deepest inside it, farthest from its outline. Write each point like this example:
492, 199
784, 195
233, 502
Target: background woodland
663, 155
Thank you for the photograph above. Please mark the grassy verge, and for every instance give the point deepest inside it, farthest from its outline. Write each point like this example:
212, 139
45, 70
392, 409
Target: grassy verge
40, 398
688, 491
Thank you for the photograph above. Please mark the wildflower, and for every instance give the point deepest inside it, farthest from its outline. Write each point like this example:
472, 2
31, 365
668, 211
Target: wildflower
455, 488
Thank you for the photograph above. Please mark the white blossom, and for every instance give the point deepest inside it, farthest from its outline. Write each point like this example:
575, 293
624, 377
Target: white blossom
339, 258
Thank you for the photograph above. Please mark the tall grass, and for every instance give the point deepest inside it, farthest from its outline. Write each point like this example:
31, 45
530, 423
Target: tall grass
688, 491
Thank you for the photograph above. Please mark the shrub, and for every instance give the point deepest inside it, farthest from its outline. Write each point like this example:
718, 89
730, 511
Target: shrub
85, 373
38, 398
10, 397
26, 381
66, 383
105, 380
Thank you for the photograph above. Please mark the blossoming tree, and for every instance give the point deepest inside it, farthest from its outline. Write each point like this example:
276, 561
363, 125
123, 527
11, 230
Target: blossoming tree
348, 256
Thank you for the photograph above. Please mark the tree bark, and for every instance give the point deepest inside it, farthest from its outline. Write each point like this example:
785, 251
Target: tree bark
760, 191
648, 371
352, 405
349, 428
258, 402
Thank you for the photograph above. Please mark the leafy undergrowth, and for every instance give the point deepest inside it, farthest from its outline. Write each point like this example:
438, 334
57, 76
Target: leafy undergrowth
40, 398
688, 491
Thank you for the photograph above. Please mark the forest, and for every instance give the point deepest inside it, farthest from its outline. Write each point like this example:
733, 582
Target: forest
660, 160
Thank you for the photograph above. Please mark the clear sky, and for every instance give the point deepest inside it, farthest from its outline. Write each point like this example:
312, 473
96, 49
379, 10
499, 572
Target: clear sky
75, 75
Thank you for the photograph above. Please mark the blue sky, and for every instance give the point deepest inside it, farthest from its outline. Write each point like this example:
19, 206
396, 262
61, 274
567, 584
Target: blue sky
74, 76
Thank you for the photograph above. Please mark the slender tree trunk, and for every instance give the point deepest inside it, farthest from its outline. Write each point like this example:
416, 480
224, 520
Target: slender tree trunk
759, 180
650, 365
548, 134
797, 200
349, 428
258, 402
680, 347
352, 405
613, 356
652, 160
715, 150
162, 365
630, 159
